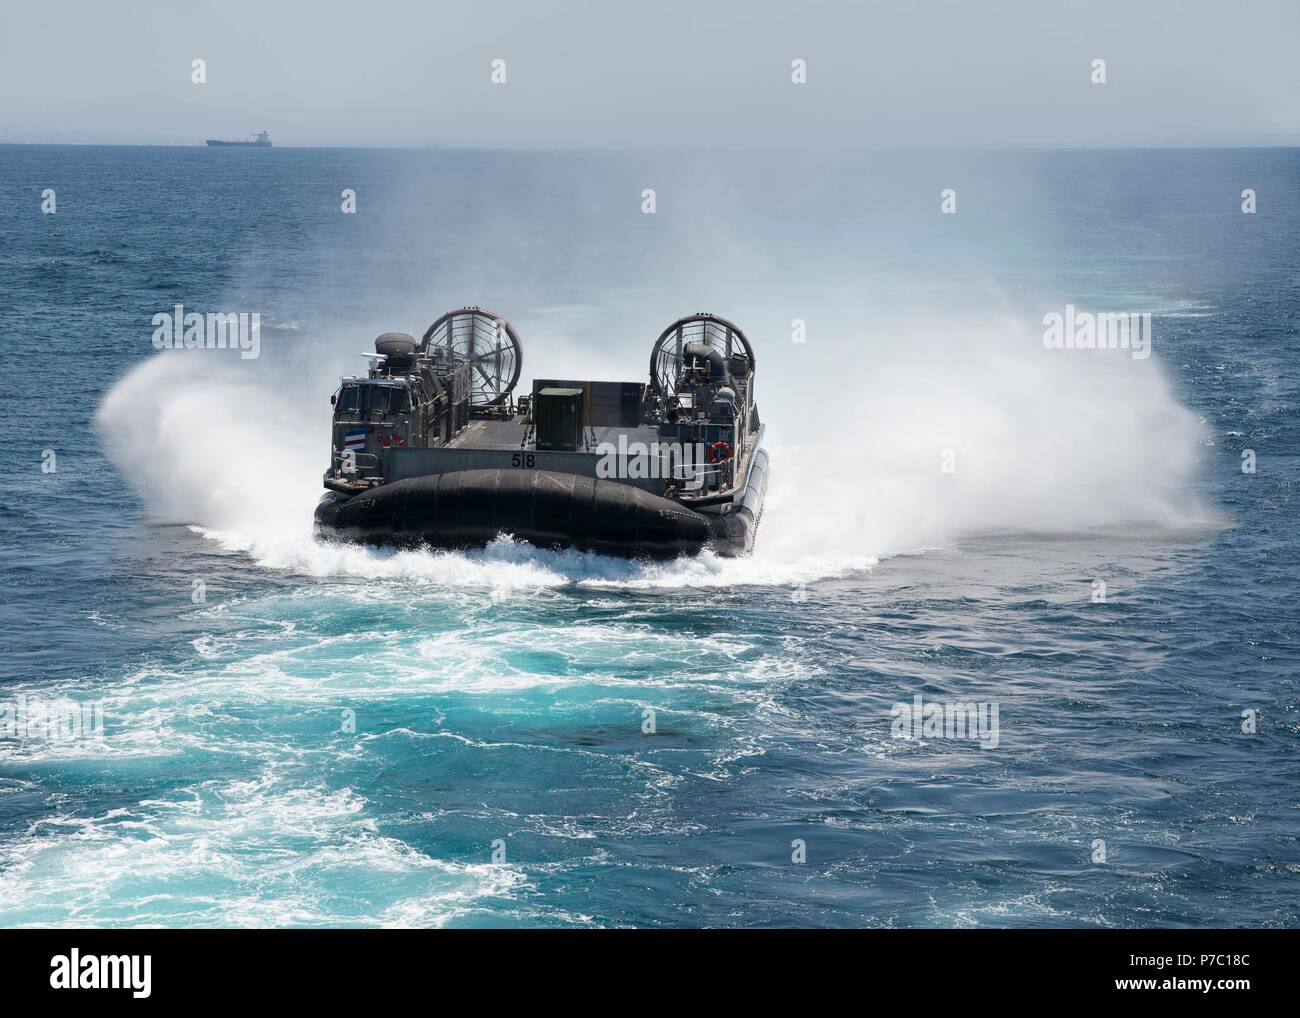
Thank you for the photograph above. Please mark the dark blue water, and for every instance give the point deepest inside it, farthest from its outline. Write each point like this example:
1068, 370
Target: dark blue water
499, 696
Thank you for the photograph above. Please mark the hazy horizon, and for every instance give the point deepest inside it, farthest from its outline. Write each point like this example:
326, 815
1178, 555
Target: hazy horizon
580, 75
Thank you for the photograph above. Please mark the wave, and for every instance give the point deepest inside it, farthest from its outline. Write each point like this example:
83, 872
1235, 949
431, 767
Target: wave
263, 853
507, 565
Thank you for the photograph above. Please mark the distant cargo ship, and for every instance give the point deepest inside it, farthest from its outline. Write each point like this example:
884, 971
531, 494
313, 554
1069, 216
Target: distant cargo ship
263, 140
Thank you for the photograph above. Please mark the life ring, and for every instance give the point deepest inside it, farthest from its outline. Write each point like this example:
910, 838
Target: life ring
391, 438
719, 452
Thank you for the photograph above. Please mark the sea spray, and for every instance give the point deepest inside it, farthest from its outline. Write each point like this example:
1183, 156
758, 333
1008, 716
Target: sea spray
957, 427
937, 429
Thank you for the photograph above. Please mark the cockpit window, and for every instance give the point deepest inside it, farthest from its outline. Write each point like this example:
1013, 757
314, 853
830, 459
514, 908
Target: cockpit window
386, 399
349, 399
373, 400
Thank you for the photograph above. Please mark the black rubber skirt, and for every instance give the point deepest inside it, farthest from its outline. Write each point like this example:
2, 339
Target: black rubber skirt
469, 508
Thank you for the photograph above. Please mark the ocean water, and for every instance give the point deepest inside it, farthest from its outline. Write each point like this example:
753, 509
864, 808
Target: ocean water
295, 733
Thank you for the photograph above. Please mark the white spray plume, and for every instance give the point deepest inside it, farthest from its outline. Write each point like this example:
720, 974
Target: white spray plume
1041, 440
948, 428
205, 442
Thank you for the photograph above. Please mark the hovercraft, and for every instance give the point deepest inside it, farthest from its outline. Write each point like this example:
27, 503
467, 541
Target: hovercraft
433, 447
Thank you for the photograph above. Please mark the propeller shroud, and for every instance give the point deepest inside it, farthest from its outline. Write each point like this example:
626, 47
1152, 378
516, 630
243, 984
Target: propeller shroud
488, 343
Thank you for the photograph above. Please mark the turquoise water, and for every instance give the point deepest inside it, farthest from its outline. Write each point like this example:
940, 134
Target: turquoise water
337, 736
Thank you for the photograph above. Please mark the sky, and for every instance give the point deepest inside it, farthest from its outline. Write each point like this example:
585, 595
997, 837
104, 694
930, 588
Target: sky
673, 74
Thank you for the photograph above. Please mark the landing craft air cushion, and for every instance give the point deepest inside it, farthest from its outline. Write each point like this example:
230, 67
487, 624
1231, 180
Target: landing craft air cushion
432, 446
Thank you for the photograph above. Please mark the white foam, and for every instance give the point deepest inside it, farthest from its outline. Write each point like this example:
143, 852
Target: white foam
262, 852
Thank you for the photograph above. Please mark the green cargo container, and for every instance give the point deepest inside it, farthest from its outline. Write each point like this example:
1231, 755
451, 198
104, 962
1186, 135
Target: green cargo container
558, 415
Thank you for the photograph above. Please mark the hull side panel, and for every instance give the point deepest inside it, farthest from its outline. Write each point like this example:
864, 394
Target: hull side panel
469, 508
